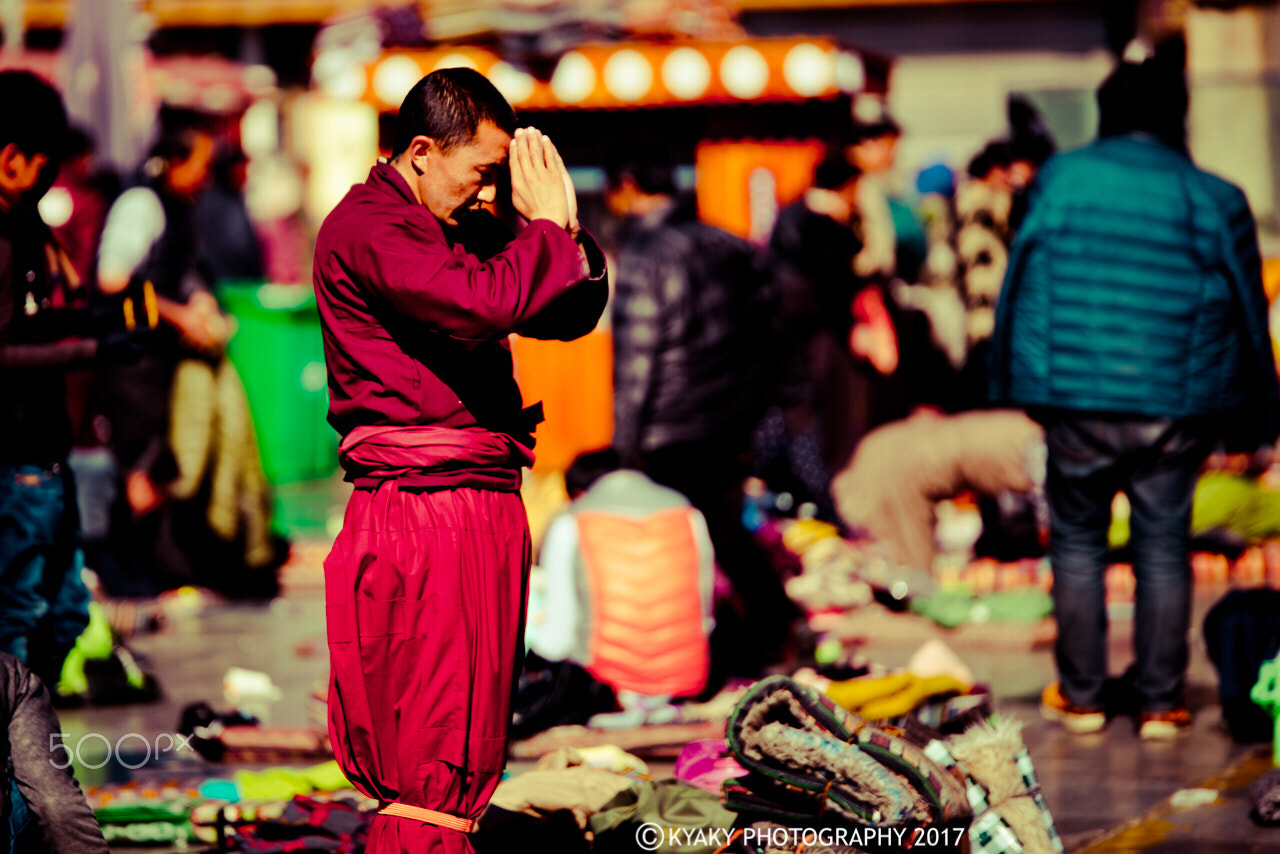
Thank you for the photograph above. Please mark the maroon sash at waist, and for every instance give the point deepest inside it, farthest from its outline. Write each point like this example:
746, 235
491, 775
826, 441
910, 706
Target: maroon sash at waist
434, 458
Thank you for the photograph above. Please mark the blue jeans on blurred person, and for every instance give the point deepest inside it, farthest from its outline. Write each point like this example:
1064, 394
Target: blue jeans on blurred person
44, 604
1156, 462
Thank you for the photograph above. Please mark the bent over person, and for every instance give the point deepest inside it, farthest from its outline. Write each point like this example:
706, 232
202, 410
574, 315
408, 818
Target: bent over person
418, 289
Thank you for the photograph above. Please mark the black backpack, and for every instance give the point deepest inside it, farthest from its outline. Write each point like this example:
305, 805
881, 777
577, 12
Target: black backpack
1241, 631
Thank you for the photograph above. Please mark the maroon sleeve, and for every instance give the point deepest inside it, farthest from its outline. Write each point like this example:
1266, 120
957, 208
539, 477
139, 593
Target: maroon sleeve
408, 263
575, 313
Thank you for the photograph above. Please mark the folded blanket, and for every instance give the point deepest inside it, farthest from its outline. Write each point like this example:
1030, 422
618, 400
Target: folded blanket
800, 746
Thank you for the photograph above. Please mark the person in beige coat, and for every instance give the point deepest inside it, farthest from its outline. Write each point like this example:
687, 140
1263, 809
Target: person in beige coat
901, 470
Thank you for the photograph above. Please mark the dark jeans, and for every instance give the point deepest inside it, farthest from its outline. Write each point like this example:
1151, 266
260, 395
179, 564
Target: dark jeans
44, 604
1155, 462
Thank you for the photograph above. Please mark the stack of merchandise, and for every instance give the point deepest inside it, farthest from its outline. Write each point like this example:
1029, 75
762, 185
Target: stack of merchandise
812, 765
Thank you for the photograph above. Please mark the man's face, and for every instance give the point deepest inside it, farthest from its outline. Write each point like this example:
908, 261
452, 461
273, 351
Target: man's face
452, 183
876, 154
619, 197
1021, 172
25, 178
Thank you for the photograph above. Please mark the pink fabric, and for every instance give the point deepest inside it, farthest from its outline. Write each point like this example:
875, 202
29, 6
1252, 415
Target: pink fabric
706, 764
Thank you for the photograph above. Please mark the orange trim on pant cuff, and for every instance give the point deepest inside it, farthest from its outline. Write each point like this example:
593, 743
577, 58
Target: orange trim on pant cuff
441, 819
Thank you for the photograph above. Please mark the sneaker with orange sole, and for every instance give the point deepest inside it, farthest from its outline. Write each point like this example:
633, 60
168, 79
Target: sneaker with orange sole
1078, 719
1165, 725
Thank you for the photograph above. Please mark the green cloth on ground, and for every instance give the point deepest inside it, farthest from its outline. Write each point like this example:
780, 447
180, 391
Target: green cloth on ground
281, 784
955, 608
173, 811
154, 823
667, 804
1239, 504
947, 608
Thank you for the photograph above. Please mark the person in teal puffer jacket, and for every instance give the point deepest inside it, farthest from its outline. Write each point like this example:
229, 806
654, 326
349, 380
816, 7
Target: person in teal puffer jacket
1133, 325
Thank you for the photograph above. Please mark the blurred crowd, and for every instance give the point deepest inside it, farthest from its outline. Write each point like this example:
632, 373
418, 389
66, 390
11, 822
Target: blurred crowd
870, 361
840, 370
126, 414
740, 366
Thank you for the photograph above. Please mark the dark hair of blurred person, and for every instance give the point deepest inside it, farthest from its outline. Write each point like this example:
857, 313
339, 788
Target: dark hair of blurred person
834, 173
997, 154
33, 131
1149, 97
182, 158
1029, 137
587, 468
449, 106
881, 125
645, 164
871, 141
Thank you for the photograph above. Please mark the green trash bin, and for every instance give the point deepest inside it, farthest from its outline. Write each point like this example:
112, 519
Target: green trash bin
276, 348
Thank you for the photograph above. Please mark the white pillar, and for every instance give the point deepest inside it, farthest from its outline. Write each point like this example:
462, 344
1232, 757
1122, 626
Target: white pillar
14, 20
1232, 57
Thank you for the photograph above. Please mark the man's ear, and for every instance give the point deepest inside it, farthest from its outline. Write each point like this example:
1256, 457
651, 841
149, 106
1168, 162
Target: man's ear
8, 159
419, 148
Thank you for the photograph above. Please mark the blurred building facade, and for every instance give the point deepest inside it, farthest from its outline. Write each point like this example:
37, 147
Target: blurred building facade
954, 62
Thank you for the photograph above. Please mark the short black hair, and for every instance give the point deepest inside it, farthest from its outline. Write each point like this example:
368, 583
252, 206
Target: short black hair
646, 160
1150, 97
80, 143
1030, 139
32, 115
882, 126
995, 154
448, 106
834, 172
178, 131
587, 468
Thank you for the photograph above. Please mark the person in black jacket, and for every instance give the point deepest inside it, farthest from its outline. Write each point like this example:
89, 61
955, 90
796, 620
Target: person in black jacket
693, 331
815, 240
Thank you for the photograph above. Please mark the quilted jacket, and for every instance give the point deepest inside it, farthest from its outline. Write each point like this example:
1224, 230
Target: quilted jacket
1134, 288
693, 333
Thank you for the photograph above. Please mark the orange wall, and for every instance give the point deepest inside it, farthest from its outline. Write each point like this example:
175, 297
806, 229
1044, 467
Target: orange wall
574, 381
724, 176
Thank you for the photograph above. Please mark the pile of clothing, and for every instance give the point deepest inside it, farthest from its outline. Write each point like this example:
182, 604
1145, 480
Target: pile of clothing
811, 764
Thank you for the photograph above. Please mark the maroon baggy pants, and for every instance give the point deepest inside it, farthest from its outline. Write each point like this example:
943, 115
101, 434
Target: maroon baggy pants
425, 597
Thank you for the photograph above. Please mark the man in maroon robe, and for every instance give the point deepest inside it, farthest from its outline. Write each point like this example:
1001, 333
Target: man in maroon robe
418, 289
